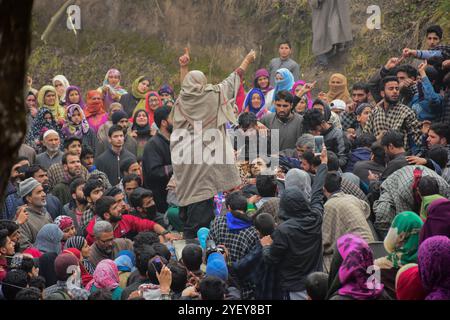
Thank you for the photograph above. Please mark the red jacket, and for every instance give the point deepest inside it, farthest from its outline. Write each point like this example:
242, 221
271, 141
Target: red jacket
128, 224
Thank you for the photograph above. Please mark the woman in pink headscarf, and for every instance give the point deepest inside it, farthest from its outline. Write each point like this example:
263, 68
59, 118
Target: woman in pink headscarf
106, 276
300, 90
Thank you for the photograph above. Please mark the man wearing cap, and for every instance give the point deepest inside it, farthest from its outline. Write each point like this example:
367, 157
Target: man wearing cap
338, 107
53, 154
34, 197
120, 118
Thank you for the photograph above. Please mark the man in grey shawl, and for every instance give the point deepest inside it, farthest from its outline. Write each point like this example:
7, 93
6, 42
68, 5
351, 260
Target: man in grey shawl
202, 155
332, 28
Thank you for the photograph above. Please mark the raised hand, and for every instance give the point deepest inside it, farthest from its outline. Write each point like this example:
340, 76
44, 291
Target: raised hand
251, 56
185, 58
422, 67
393, 62
309, 86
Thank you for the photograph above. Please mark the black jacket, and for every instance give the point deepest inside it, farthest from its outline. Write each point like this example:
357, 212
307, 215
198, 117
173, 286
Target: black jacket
157, 169
297, 242
252, 268
334, 141
109, 163
129, 102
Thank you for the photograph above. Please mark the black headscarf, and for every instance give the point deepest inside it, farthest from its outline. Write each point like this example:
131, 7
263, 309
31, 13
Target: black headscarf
141, 131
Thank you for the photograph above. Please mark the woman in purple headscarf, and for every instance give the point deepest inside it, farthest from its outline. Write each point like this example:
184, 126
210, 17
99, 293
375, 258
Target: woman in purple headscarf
349, 278
434, 267
74, 96
262, 82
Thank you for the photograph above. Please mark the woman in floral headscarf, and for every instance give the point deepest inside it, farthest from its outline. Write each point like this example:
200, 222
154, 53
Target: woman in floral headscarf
106, 276
348, 279
401, 243
44, 121
111, 89
95, 111
48, 98
135, 100
77, 125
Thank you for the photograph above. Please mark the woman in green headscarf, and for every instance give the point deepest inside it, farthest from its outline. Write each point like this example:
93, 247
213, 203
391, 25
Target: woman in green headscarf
402, 244
48, 98
136, 99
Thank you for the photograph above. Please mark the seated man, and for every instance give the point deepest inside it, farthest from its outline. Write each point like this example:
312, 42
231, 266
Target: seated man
141, 200
125, 226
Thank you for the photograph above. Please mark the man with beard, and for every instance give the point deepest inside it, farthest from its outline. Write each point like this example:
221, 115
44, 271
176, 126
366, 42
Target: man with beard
119, 197
17, 174
156, 161
120, 119
53, 206
333, 137
124, 226
360, 95
102, 248
53, 154
389, 114
77, 204
143, 203
393, 146
72, 168
56, 172
34, 197
92, 190
289, 124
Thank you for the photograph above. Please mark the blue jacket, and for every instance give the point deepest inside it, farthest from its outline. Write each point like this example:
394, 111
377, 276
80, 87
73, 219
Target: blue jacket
427, 104
359, 154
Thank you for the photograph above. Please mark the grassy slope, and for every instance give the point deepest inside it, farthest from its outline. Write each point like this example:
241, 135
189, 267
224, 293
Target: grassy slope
85, 59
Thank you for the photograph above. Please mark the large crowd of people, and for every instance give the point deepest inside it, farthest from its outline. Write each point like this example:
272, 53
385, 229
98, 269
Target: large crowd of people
97, 208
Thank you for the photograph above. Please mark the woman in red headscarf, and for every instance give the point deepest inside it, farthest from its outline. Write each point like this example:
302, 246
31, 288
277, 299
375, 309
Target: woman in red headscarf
95, 111
85, 276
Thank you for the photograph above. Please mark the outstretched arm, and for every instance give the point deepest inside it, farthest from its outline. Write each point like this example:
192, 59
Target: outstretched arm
184, 64
248, 60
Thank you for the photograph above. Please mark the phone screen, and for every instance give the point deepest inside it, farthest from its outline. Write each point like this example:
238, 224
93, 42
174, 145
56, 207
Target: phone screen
318, 145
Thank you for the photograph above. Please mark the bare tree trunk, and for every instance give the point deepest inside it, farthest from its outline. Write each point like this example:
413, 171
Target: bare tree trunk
56, 17
15, 35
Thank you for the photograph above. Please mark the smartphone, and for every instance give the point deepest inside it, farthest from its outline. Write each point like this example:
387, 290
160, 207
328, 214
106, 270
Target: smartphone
318, 145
